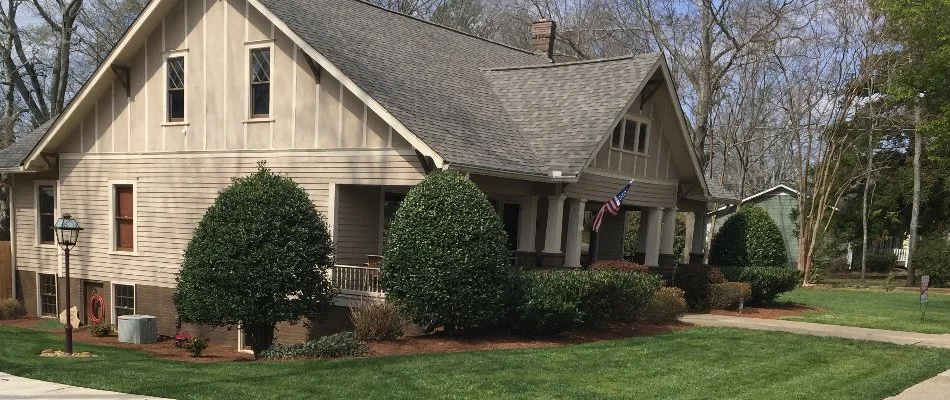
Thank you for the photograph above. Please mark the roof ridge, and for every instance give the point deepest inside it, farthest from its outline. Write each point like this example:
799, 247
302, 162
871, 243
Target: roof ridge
564, 64
497, 43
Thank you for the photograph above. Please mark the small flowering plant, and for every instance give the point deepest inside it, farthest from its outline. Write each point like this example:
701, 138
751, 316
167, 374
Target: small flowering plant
183, 340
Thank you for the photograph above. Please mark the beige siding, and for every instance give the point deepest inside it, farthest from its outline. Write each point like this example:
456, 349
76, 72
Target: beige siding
656, 162
357, 223
307, 111
174, 190
30, 255
599, 188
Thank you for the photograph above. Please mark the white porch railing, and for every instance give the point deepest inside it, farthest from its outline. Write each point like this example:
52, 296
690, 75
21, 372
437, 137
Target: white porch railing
356, 282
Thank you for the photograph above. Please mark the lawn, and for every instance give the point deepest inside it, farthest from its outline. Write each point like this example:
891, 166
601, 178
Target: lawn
873, 309
697, 363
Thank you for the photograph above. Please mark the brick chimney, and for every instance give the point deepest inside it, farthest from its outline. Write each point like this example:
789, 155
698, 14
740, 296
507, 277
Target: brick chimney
543, 33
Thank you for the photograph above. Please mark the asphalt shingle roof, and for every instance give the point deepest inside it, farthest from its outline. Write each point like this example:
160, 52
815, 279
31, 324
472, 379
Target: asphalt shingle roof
13, 156
564, 110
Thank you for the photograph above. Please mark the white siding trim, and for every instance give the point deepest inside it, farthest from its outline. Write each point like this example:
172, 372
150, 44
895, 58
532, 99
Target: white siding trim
331, 211
248, 153
654, 181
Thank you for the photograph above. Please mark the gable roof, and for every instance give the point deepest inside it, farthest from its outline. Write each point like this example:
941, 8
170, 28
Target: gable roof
13, 155
464, 100
564, 110
779, 188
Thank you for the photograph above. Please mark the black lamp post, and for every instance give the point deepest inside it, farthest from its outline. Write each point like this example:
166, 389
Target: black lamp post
67, 234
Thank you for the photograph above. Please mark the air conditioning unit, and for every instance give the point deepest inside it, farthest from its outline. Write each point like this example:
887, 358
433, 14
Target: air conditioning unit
138, 329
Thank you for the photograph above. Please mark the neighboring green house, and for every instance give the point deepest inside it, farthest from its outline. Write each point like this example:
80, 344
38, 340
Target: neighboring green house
779, 202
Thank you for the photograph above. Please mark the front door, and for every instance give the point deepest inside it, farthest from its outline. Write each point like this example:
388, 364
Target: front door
90, 306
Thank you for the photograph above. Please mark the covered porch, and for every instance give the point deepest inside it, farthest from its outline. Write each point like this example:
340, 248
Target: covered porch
548, 225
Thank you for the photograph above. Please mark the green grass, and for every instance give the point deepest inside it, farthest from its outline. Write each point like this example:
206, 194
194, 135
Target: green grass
699, 363
898, 311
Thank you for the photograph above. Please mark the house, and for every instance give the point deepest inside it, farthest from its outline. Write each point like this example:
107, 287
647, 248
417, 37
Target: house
779, 201
355, 103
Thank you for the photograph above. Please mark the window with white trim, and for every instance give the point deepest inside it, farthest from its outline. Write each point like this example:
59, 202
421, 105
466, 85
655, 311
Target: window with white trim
123, 205
47, 291
631, 135
175, 69
123, 299
260, 82
46, 210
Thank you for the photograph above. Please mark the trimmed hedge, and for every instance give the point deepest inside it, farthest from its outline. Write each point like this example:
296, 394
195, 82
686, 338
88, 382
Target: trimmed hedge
344, 344
728, 295
377, 321
11, 309
769, 282
695, 281
667, 305
748, 238
446, 262
550, 302
618, 265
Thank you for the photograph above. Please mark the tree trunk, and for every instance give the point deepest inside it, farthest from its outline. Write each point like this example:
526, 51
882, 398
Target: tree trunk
864, 210
915, 210
261, 337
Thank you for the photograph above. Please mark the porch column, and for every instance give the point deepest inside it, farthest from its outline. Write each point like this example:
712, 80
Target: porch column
640, 255
697, 250
654, 225
575, 228
527, 232
552, 255
666, 240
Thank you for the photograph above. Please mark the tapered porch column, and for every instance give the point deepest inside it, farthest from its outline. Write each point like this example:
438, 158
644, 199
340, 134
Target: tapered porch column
575, 228
552, 255
527, 255
697, 250
666, 240
654, 226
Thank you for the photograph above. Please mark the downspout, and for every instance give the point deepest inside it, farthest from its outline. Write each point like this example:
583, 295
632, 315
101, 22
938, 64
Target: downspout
13, 269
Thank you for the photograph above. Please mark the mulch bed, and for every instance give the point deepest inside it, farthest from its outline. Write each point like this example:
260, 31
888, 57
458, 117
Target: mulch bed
438, 342
447, 343
165, 348
773, 312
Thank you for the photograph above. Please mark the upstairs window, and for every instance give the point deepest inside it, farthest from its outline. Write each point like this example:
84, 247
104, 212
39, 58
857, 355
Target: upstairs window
46, 207
631, 135
124, 218
260, 82
176, 89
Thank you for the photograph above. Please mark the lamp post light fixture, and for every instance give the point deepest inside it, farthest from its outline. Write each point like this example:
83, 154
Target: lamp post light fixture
67, 234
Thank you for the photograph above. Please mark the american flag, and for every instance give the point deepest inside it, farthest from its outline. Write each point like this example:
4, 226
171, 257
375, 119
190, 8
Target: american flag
612, 206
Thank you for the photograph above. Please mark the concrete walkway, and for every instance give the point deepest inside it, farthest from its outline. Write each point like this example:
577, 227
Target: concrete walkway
16, 388
937, 388
809, 328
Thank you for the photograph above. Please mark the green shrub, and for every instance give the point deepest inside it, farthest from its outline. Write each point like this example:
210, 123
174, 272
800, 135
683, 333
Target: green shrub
749, 237
728, 295
769, 282
667, 305
197, 346
377, 321
695, 280
344, 344
11, 309
933, 258
618, 265
446, 262
554, 301
879, 262
258, 257
101, 330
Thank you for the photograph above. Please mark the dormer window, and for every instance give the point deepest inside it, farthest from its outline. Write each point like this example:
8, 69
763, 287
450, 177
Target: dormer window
631, 135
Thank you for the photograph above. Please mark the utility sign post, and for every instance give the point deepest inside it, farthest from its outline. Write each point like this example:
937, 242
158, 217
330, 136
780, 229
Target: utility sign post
924, 291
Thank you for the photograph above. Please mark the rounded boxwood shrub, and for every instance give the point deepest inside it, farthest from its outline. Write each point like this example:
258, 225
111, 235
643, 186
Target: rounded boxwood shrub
258, 257
695, 280
554, 301
933, 258
749, 237
667, 305
446, 262
769, 282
